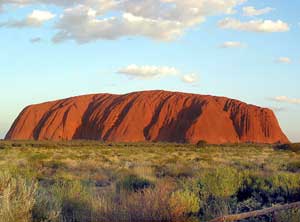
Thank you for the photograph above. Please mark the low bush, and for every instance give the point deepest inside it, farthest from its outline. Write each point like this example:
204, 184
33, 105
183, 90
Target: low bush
214, 207
133, 183
279, 188
289, 215
47, 207
17, 198
74, 199
294, 147
201, 143
221, 182
293, 167
184, 203
178, 171
150, 204
217, 190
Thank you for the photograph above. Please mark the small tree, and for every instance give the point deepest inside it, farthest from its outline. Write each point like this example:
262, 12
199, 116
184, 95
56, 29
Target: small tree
201, 143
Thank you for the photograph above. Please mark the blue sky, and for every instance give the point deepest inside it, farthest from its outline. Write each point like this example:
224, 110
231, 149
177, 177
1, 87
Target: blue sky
246, 50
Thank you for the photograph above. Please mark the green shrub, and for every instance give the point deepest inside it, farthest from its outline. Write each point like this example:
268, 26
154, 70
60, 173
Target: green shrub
47, 206
286, 186
293, 166
151, 204
217, 190
279, 188
214, 207
294, 147
184, 203
221, 182
248, 205
74, 199
133, 183
17, 198
288, 215
3, 146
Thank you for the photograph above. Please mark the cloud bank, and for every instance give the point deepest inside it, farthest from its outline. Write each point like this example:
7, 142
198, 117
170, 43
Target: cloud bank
285, 99
254, 25
162, 20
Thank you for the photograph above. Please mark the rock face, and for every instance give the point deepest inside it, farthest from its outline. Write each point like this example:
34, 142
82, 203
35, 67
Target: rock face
148, 116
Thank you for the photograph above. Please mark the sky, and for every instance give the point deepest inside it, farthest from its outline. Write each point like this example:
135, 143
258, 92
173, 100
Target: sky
243, 49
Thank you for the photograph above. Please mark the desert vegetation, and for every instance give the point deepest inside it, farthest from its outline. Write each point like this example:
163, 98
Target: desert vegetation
85, 181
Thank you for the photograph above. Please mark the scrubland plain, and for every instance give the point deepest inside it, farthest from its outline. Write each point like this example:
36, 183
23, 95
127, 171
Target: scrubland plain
86, 181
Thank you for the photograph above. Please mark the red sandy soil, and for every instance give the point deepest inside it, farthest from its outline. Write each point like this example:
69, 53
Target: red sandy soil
148, 116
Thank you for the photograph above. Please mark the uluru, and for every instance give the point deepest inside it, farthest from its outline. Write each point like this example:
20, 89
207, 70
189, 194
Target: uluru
148, 116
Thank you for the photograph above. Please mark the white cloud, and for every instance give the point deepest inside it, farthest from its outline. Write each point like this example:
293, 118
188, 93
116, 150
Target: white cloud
163, 20
34, 19
81, 24
254, 25
41, 16
148, 72
286, 99
232, 44
188, 12
190, 78
284, 60
251, 11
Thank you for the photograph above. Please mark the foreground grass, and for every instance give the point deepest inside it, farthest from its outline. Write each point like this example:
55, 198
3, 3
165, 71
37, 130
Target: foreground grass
96, 182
